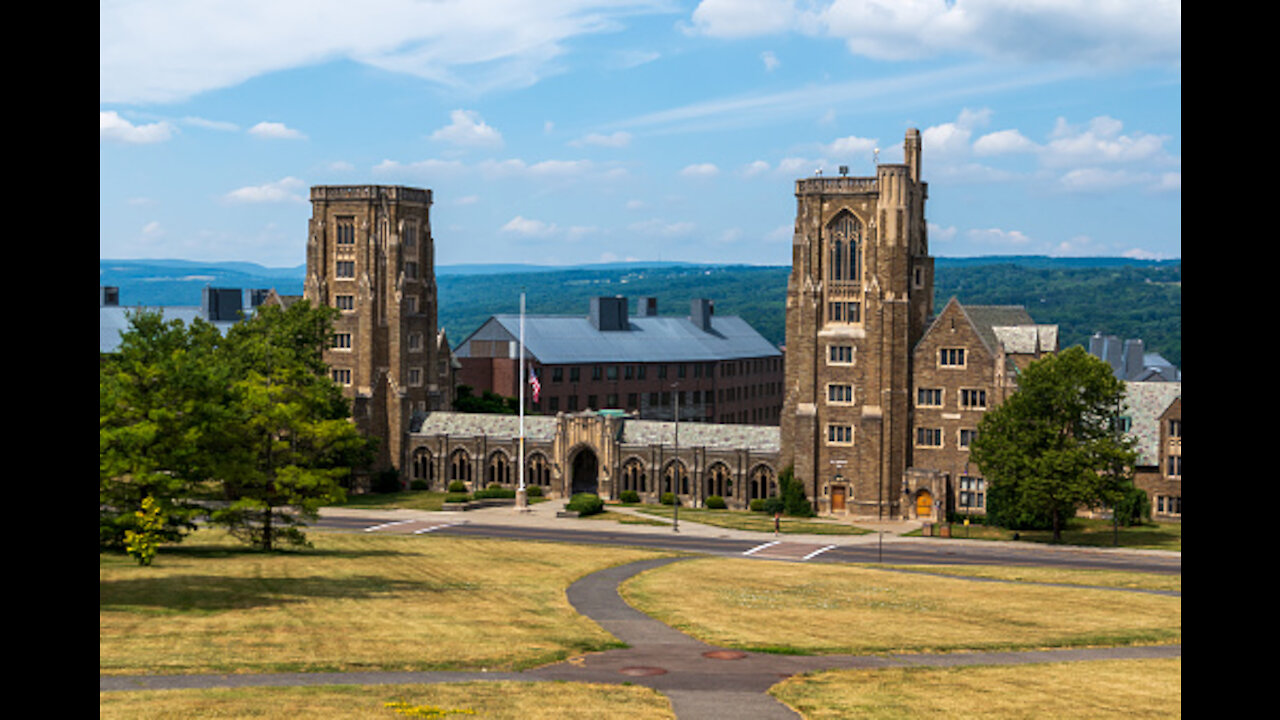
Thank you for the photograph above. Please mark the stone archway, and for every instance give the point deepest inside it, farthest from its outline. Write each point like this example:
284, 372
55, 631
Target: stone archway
584, 472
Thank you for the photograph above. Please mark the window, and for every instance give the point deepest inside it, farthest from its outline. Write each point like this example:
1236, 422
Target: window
410, 235
680, 370
967, 436
611, 400
844, 312
951, 357
972, 492
630, 372
633, 401
1169, 505
554, 404
346, 230
1175, 466
929, 397
973, 399
839, 434
411, 304
557, 374
411, 269
846, 234
595, 373
840, 393
1175, 429
574, 374
415, 377
415, 342
342, 376
342, 341
640, 372
572, 403
929, 437
662, 372
611, 372
840, 354
345, 268
344, 302
591, 402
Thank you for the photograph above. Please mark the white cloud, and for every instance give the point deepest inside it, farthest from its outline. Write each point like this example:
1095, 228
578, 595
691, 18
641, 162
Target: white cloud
211, 124
852, 146
757, 167
1003, 142
524, 226
467, 129
999, 237
1096, 32
113, 127
285, 190
1101, 141
275, 131
700, 170
170, 51
618, 139
770, 60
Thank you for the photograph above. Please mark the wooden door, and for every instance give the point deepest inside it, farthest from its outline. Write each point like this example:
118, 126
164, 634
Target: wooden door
837, 499
924, 504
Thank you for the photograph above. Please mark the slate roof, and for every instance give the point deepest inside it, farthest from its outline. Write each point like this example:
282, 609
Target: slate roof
560, 339
542, 428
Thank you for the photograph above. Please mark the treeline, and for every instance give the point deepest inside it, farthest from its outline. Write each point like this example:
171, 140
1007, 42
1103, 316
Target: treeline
1128, 301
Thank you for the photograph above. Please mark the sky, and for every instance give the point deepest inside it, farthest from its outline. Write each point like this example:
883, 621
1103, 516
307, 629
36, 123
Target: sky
560, 132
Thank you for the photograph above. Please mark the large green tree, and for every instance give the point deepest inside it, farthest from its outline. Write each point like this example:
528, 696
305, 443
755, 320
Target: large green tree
1052, 446
290, 444
247, 428
160, 396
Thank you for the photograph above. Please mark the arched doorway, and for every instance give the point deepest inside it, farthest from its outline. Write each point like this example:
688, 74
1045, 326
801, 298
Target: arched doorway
585, 469
924, 504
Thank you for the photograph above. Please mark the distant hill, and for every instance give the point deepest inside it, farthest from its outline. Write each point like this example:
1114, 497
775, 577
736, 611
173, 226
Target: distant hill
1117, 296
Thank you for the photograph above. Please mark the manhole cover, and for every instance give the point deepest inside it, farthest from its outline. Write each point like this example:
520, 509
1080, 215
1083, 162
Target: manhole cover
724, 655
641, 670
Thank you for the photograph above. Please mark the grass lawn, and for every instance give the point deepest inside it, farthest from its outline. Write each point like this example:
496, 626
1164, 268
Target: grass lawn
1102, 689
1084, 531
354, 602
1096, 578
490, 700
829, 608
755, 521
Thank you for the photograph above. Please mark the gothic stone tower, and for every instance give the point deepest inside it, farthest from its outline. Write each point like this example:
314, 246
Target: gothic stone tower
858, 299
370, 255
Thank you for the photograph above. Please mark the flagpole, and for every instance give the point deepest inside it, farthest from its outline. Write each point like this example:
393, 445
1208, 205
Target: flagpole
522, 497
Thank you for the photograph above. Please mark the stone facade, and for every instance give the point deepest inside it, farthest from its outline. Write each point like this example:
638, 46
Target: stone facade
370, 254
599, 453
858, 298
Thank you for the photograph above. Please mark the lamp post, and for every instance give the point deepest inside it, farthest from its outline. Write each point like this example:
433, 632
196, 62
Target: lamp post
675, 486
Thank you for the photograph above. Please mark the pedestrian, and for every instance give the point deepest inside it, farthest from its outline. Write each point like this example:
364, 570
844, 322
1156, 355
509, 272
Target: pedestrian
777, 518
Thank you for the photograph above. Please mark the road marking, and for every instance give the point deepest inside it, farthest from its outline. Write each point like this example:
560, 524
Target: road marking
758, 548
433, 528
818, 551
384, 526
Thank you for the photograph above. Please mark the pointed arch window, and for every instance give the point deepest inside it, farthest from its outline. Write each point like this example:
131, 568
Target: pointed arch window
845, 233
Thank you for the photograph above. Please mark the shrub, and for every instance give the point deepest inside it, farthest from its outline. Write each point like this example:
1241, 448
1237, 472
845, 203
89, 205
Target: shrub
757, 505
585, 504
494, 491
456, 497
418, 485
668, 498
773, 505
1134, 508
533, 490
387, 481
457, 486
715, 502
791, 491
629, 496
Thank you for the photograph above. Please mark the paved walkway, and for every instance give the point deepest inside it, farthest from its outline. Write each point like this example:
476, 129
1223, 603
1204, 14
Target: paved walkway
703, 682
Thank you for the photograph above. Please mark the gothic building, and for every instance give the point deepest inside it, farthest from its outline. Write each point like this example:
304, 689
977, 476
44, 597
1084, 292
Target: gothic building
370, 255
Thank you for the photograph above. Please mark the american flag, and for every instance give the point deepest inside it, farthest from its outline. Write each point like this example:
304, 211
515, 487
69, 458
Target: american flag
533, 383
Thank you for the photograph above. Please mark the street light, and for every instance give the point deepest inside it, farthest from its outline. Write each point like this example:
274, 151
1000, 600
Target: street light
675, 486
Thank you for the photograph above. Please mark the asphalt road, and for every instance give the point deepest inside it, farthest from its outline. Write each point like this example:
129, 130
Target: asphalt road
851, 549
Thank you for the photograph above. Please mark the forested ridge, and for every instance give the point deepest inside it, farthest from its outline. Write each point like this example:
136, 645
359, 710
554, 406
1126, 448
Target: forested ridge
1128, 299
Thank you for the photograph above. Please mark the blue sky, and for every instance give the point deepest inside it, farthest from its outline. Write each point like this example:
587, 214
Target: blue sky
568, 131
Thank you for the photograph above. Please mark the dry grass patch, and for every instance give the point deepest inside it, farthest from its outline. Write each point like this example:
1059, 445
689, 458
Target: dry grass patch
1065, 576
489, 700
1122, 689
354, 602
845, 609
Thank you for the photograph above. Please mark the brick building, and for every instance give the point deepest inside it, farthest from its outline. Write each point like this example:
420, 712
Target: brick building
717, 368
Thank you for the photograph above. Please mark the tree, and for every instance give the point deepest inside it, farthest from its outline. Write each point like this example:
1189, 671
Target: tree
1051, 446
289, 444
160, 395
488, 402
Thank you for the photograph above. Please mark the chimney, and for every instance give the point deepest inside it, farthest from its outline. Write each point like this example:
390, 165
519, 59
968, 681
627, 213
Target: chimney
609, 313
108, 296
700, 312
648, 307
1133, 358
221, 304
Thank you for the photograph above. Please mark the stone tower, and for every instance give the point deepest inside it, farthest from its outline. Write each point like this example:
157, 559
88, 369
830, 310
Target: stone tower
370, 255
858, 299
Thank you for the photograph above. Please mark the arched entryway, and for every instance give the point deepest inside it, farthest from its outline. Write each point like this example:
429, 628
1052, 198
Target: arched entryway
924, 504
585, 470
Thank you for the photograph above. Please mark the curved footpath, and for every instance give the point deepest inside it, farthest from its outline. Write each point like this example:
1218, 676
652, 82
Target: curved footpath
700, 680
